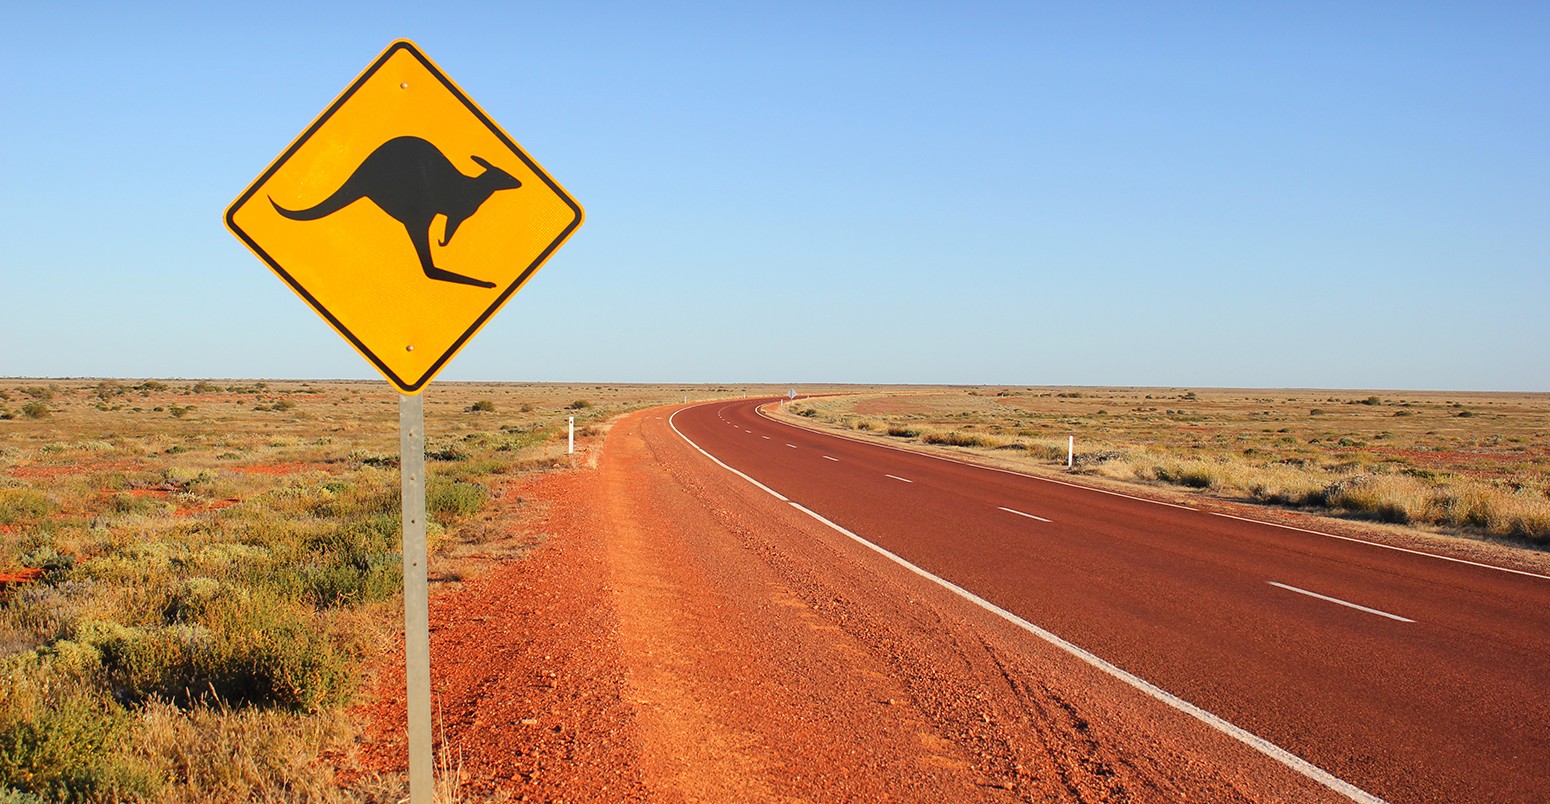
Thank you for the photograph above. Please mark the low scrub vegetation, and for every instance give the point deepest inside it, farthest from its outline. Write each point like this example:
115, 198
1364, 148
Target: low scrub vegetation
216, 566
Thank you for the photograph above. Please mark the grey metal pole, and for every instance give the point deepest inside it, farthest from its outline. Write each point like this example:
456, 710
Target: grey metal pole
417, 640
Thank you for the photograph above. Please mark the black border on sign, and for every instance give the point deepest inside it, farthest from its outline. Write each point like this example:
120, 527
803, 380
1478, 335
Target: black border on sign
500, 301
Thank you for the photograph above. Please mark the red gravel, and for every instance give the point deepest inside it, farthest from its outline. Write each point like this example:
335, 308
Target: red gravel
681, 636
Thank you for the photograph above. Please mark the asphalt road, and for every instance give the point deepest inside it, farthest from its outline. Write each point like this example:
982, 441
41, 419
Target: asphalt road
1405, 676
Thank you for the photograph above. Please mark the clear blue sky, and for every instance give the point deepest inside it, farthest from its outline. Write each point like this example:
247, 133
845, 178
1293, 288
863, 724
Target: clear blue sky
1236, 194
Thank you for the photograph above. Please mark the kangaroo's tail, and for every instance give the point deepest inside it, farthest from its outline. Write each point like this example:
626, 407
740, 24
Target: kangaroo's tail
328, 206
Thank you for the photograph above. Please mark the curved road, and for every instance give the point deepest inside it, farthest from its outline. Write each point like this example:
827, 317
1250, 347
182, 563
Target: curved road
1387, 673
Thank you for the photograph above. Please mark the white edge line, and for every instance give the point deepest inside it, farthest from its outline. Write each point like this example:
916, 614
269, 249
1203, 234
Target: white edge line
896, 477
1020, 513
1250, 739
1386, 546
1260, 744
670, 423
1337, 601
1158, 502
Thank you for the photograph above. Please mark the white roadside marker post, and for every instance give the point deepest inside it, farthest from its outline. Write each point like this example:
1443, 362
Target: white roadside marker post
1070, 451
570, 446
417, 640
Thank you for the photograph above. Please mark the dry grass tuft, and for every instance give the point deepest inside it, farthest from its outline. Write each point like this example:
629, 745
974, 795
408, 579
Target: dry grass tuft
244, 754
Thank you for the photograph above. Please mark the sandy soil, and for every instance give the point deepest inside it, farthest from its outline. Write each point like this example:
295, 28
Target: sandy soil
679, 636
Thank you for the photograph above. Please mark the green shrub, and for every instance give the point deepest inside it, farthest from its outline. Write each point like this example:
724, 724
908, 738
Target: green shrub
580, 404
140, 663
449, 453
56, 566
38, 410
450, 498
366, 502
186, 479
901, 431
191, 600
482, 406
267, 653
357, 562
61, 737
72, 751
10, 795
516, 440
19, 505
242, 650
122, 503
351, 580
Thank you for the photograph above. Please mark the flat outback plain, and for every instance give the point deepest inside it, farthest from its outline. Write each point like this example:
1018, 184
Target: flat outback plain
200, 585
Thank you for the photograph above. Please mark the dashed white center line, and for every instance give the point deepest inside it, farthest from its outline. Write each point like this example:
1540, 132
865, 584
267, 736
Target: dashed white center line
1338, 601
793, 446
766, 438
896, 477
1020, 513
830, 458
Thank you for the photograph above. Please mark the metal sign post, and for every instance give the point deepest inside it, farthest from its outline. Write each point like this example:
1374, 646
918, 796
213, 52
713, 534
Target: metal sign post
417, 633
406, 138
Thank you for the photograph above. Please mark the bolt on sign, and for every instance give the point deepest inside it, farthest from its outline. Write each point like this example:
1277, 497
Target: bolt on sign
404, 216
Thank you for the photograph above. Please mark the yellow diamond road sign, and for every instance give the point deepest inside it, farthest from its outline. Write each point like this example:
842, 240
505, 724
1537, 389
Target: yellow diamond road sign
404, 216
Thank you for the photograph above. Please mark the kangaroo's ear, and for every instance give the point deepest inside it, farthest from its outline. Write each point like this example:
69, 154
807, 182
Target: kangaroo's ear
479, 160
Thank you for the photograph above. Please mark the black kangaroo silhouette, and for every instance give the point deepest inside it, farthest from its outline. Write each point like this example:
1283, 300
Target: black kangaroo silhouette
413, 182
